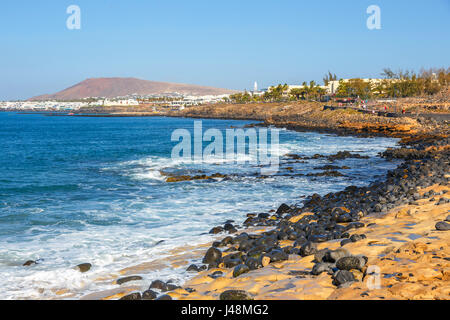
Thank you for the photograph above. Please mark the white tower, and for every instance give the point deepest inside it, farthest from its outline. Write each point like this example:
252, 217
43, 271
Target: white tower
255, 87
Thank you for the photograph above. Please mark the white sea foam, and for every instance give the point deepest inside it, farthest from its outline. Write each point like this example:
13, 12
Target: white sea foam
124, 232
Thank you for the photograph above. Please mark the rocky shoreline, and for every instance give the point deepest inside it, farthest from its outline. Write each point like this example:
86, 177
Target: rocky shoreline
324, 239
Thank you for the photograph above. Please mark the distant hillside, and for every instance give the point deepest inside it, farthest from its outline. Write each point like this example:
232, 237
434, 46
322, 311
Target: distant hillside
114, 87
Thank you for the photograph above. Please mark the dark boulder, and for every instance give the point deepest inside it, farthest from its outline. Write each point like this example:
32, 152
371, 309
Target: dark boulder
308, 248
158, 284
216, 230
29, 263
253, 263
352, 262
216, 274
319, 255
284, 208
278, 255
133, 296
171, 287
193, 268
164, 297
235, 295
84, 267
213, 255
240, 269
322, 267
149, 295
334, 255
128, 279
442, 226
343, 276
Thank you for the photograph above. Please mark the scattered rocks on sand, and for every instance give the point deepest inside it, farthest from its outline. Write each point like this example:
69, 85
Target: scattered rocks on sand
333, 217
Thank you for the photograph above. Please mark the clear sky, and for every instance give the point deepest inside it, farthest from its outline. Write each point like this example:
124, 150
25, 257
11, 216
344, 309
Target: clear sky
226, 44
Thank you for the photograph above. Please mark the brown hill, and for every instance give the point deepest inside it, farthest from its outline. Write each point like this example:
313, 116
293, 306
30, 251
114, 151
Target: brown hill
115, 87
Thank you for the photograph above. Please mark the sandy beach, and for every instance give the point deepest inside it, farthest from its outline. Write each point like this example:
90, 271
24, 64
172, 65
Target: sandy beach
403, 243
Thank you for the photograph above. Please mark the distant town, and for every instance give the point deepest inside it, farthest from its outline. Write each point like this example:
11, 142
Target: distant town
173, 101
393, 85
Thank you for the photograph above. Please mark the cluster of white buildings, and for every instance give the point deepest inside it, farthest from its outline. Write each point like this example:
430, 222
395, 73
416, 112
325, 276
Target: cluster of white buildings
116, 102
330, 88
42, 105
197, 100
171, 100
63, 106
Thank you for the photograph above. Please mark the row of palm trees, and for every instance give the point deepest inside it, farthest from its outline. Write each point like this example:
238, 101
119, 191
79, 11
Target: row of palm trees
281, 92
395, 84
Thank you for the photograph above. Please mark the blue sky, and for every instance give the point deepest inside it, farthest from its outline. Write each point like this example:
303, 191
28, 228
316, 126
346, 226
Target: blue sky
226, 44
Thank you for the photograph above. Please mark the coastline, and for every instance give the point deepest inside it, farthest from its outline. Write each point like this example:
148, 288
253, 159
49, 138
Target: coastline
385, 236
298, 267
403, 242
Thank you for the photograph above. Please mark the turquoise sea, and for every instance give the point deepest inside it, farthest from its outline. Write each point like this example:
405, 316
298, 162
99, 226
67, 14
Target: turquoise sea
82, 189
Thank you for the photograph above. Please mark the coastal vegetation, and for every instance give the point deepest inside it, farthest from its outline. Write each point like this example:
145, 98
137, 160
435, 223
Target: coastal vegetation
400, 84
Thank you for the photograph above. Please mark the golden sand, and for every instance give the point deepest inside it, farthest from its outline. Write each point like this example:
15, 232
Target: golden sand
403, 244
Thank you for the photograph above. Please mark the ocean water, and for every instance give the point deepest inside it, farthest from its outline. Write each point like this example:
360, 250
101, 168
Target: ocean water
79, 189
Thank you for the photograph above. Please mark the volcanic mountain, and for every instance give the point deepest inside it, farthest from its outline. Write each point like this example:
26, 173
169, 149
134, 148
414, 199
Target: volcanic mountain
118, 87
